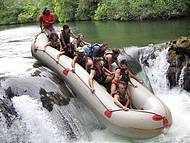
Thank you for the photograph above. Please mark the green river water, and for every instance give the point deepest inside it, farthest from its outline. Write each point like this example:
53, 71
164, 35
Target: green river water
124, 34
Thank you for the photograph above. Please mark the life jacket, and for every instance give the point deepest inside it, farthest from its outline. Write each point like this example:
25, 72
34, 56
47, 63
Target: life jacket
55, 44
70, 53
69, 50
99, 76
79, 44
81, 61
66, 37
122, 99
106, 65
125, 77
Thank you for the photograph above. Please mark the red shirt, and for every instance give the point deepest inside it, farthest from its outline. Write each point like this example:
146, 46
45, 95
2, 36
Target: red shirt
45, 19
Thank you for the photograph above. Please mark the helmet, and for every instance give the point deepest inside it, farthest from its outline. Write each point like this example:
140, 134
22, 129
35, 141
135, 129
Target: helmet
80, 50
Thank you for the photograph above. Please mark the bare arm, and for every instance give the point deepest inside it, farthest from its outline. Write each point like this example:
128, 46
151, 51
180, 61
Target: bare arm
116, 101
107, 71
73, 35
90, 80
73, 62
86, 43
86, 63
128, 102
75, 43
48, 44
109, 58
61, 48
113, 88
117, 77
134, 77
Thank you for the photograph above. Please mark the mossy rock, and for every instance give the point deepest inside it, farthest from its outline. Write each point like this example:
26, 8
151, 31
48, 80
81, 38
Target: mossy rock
179, 46
36, 73
183, 42
171, 56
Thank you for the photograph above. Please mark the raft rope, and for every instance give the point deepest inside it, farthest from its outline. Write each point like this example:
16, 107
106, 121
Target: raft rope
88, 87
67, 69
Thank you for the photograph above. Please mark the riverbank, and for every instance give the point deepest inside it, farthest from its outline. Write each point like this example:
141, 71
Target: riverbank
28, 11
171, 17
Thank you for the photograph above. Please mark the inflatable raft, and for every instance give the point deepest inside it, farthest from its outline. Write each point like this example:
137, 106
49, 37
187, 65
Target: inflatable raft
150, 118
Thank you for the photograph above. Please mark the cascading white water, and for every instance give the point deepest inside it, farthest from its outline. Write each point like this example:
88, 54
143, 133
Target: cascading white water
38, 122
34, 123
157, 71
181, 77
177, 99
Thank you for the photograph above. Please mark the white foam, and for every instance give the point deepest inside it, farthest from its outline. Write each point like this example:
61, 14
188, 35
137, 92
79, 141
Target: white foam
177, 99
37, 120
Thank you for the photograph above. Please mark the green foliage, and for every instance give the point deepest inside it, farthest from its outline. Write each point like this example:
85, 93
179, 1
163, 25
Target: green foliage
102, 12
140, 9
28, 14
86, 9
70, 9
22, 11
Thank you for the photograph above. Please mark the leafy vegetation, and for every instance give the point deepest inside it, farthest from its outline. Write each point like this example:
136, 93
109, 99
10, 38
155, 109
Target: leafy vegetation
24, 11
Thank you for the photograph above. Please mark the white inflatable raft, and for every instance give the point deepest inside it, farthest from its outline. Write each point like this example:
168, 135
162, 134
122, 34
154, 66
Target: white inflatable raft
150, 118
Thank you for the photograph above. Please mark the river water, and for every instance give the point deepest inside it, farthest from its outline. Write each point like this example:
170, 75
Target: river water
36, 125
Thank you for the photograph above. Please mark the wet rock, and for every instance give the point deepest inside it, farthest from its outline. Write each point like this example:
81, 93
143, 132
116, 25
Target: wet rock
6, 108
9, 92
180, 46
36, 73
171, 75
8, 111
37, 87
179, 53
50, 98
187, 77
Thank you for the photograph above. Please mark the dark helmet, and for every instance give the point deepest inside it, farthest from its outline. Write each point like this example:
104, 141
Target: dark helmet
96, 60
116, 51
123, 62
46, 9
65, 27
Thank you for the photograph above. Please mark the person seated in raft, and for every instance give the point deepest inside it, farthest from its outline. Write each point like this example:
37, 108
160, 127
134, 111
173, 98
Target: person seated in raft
110, 58
95, 50
79, 41
123, 74
100, 74
47, 21
55, 43
80, 58
121, 97
65, 41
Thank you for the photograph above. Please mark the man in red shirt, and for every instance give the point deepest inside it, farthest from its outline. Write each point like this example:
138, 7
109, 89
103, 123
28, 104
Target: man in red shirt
47, 21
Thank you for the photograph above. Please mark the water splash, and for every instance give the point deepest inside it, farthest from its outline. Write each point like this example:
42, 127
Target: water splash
37, 120
181, 77
157, 71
